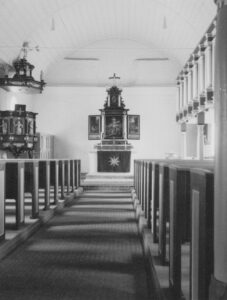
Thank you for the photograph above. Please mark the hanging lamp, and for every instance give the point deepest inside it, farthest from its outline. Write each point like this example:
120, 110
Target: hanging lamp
22, 81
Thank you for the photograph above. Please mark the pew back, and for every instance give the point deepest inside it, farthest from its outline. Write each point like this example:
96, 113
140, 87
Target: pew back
174, 201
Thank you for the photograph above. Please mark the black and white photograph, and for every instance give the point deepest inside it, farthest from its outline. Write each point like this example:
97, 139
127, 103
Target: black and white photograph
113, 150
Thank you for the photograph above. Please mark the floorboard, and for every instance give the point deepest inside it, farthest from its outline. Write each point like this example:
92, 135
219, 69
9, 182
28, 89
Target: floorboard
89, 250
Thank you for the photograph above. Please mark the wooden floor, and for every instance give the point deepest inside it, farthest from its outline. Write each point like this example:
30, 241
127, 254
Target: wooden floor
90, 250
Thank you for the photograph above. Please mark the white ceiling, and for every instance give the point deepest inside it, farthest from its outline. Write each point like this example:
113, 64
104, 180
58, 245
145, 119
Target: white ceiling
104, 37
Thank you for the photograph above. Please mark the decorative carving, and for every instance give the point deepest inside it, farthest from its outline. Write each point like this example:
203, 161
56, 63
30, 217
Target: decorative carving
18, 130
114, 94
22, 80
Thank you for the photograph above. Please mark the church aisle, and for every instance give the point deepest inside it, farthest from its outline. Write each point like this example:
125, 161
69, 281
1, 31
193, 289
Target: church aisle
90, 250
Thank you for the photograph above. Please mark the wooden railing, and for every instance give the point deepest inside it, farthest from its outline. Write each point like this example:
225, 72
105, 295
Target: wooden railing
46, 181
176, 199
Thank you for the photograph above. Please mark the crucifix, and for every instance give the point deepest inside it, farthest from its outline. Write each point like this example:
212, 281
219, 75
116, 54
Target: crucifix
20, 111
114, 78
20, 108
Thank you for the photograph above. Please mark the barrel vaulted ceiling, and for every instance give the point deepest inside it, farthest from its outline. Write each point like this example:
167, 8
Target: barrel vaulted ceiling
83, 42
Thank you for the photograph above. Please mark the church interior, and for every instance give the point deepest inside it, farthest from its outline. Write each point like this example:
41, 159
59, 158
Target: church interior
113, 142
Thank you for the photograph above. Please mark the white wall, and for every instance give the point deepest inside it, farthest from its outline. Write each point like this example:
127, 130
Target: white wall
9, 99
191, 139
63, 111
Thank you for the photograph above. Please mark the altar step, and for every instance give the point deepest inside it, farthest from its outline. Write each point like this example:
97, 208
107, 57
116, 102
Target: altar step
108, 181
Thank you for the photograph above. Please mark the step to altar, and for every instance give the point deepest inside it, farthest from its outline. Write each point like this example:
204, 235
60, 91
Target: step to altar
108, 181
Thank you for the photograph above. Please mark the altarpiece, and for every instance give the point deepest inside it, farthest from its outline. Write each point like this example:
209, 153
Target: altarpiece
113, 127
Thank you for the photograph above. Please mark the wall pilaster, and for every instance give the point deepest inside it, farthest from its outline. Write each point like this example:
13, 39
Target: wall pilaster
218, 286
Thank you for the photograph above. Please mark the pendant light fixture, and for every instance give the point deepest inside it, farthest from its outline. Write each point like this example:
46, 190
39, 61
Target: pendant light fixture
22, 81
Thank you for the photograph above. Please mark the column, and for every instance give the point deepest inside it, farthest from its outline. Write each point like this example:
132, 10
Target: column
102, 124
195, 82
209, 59
202, 75
182, 93
184, 145
178, 97
185, 91
178, 101
202, 69
190, 87
200, 142
183, 140
2, 200
181, 96
218, 287
209, 68
213, 60
200, 135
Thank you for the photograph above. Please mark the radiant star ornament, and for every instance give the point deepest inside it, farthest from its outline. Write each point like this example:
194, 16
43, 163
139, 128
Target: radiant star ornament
114, 161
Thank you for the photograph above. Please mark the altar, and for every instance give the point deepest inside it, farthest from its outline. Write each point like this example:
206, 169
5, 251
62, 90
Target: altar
113, 128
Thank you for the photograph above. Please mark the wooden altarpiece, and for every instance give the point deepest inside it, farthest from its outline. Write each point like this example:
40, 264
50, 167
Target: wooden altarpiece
114, 150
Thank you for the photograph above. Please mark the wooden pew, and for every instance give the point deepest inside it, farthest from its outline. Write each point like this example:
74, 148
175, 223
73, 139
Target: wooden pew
32, 184
2, 200
72, 175
79, 171
147, 190
76, 172
149, 193
202, 252
62, 177
14, 184
163, 205
44, 181
180, 223
28, 175
163, 211
67, 175
54, 178
141, 196
135, 176
140, 181
176, 189
164, 201
155, 199
179, 199
143, 185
